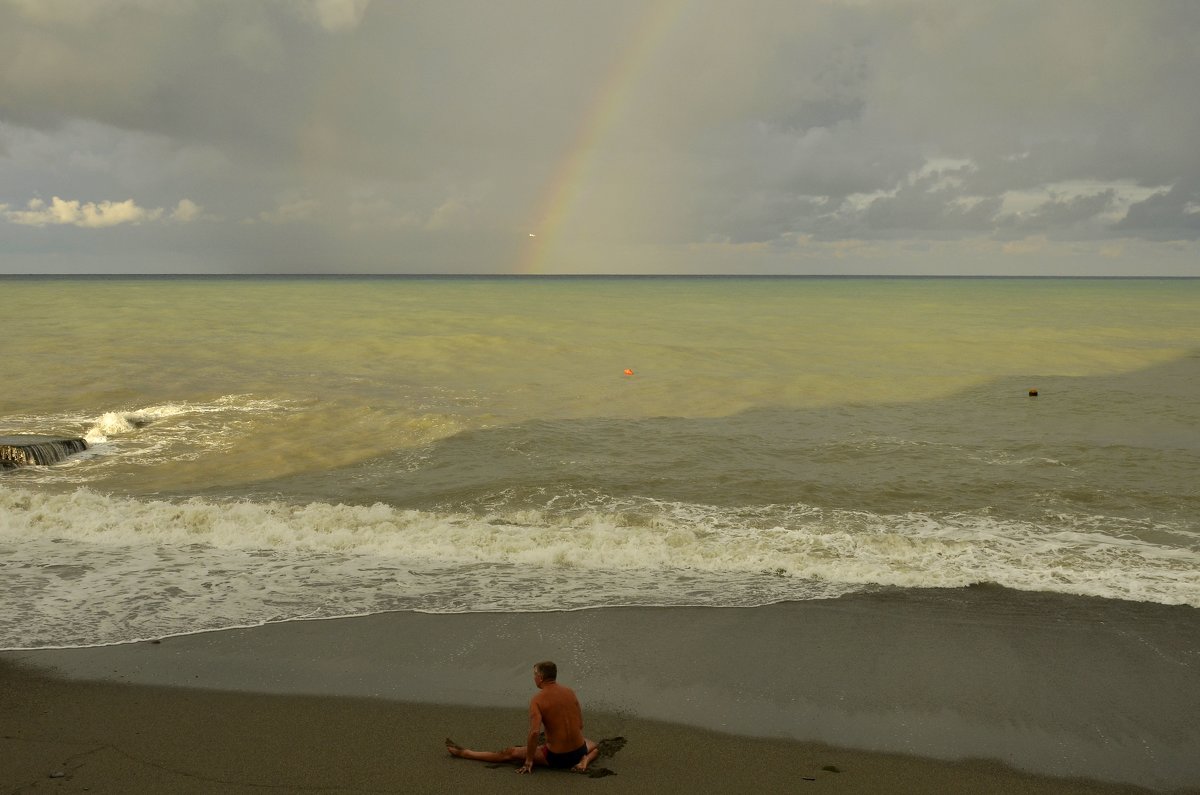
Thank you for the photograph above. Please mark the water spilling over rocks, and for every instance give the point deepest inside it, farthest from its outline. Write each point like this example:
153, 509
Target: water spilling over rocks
17, 451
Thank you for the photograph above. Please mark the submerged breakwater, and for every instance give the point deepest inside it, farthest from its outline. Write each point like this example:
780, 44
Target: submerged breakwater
16, 451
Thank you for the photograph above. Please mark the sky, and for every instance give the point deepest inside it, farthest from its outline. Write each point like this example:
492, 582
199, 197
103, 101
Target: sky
938, 137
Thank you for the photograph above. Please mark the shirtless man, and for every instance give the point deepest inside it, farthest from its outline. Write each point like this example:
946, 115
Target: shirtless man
555, 709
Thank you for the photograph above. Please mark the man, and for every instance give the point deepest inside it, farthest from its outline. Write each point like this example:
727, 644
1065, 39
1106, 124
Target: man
555, 710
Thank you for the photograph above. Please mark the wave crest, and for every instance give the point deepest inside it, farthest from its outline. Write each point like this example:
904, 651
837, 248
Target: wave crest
147, 568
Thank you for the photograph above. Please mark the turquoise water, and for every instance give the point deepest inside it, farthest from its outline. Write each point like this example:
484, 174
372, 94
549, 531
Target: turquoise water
278, 448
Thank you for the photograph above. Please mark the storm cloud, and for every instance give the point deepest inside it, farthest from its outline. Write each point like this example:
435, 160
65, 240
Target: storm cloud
676, 136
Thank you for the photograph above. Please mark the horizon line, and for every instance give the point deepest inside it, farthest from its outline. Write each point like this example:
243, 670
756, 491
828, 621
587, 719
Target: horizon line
544, 276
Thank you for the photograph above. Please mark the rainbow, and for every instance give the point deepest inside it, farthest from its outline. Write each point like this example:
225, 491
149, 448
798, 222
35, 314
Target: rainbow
564, 188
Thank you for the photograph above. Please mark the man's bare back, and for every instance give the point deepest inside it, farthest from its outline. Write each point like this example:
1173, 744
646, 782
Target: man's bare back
556, 708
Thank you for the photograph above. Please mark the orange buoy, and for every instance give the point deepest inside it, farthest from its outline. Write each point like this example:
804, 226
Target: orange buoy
1033, 393
628, 371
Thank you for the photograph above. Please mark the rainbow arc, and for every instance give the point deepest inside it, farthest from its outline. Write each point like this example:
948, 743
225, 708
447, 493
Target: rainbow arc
561, 195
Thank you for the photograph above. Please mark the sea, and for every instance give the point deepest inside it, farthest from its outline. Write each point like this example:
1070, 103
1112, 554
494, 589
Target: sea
266, 449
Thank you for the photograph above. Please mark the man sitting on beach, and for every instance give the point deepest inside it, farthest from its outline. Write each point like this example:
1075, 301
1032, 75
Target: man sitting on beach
554, 709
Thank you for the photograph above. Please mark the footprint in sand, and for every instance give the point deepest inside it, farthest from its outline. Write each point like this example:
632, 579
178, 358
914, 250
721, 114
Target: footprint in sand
609, 746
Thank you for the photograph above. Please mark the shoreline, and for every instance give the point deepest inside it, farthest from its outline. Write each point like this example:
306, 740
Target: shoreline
975, 688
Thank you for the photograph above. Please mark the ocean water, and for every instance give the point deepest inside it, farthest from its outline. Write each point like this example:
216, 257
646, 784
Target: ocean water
270, 449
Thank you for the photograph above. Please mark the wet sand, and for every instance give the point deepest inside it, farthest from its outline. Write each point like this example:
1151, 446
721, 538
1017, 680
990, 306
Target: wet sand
970, 690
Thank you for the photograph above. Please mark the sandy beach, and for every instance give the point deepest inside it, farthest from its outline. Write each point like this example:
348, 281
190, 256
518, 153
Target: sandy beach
971, 690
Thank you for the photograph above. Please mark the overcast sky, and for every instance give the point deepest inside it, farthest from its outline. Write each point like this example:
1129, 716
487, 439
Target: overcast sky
567, 136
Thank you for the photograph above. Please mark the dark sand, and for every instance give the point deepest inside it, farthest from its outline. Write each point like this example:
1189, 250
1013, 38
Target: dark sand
973, 690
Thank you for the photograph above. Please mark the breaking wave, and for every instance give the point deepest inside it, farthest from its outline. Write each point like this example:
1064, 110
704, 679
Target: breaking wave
82, 568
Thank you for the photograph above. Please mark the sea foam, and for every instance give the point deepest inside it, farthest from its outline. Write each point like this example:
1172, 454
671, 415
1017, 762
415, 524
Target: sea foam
87, 568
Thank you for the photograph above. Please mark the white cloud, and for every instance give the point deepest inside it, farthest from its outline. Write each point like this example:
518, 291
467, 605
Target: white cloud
82, 12
371, 212
91, 215
339, 15
446, 214
186, 210
290, 212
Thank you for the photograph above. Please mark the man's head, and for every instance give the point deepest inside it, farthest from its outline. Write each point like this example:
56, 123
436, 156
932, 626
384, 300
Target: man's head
545, 671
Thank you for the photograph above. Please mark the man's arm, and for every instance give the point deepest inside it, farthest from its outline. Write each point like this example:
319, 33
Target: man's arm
531, 743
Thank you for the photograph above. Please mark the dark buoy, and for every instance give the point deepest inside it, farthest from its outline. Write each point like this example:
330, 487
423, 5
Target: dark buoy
1033, 393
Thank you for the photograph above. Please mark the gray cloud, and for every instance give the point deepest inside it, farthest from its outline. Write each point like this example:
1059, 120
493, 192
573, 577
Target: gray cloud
357, 135
1169, 215
914, 208
1057, 215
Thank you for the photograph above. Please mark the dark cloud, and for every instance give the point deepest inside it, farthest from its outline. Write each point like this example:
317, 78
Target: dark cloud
1170, 215
1059, 216
919, 207
447, 131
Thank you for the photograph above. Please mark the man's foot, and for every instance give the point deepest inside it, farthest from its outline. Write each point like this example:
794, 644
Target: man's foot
592, 753
454, 748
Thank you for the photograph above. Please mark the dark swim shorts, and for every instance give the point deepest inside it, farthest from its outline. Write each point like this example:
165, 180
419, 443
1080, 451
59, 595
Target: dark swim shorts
569, 759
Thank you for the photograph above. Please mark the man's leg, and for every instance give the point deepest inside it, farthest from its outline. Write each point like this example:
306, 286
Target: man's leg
514, 753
